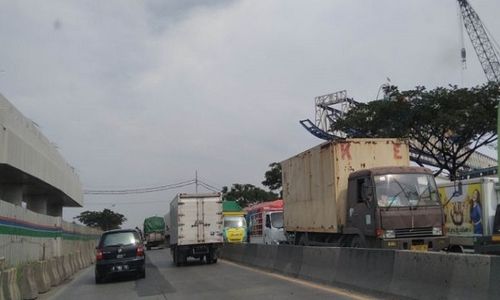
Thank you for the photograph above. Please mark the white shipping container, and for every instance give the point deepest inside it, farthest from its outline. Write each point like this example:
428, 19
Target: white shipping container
196, 219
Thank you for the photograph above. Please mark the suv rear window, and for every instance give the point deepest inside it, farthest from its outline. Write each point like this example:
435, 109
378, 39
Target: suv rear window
120, 239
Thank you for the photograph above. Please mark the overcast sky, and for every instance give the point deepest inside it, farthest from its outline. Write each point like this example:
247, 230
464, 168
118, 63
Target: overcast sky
144, 93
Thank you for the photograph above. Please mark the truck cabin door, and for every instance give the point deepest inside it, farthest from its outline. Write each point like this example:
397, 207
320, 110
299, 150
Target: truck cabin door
267, 229
361, 209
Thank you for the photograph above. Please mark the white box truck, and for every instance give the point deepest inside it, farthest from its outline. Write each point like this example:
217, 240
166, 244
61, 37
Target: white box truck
196, 227
472, 215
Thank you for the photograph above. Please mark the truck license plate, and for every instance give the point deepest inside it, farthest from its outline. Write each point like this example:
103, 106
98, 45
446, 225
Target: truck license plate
419, 247
119, 256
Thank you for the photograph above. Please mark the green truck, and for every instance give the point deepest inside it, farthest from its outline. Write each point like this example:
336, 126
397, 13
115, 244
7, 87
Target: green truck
154, 232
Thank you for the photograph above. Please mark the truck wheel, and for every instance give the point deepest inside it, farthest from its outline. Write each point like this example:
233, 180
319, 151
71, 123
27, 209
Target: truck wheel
356, 242
212, 258
302, 240
181, 259
148, 248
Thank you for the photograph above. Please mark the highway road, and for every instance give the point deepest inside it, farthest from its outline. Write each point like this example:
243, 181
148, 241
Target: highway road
224, 280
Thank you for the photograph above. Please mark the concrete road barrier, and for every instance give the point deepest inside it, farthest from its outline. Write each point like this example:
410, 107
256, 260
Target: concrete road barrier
9, 282
68, 271
60, 268
76, 264
82, 259
41, 277
288, 260
27, 285
445, 276
71, 262
417, 275
1, 286
55, 278
369, 269
318, 264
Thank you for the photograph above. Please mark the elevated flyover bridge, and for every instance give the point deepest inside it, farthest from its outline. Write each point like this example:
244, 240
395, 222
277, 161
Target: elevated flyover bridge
32, 172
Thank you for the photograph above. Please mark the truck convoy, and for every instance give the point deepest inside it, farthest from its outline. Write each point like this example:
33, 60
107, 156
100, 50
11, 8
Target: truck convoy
235, 225
265, 223
361, 193
196, 227
154, 232
472, 215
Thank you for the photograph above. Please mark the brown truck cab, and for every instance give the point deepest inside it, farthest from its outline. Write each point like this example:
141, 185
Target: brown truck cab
395, 208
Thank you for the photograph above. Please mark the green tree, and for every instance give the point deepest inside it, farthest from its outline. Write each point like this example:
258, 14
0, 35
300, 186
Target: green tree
444, 124
105, 220
273, 177
245, 194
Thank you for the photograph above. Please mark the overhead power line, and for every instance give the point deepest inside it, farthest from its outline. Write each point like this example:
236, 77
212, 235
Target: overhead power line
153, 189
141, 190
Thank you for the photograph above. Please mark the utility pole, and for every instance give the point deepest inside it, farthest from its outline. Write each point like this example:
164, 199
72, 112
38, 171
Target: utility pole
196, 180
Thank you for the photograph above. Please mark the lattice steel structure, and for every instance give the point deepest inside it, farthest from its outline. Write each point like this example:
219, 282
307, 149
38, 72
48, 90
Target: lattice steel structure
481, 42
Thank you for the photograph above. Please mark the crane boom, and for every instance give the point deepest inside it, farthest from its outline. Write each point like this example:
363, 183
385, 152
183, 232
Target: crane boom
478, 35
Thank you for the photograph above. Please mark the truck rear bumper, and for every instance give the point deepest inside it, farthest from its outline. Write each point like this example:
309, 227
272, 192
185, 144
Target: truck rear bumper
198, 250
419, 244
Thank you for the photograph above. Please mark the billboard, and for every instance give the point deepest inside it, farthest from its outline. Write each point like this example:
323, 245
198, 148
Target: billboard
463, 211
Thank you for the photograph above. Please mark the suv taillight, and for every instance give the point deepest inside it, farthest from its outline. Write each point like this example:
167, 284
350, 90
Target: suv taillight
98, 254
140, 251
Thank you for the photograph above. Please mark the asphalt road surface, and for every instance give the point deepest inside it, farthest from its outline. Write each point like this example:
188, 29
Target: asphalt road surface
224, 280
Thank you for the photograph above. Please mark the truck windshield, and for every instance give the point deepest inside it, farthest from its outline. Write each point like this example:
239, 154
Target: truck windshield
401, 190
234, 222
277, 220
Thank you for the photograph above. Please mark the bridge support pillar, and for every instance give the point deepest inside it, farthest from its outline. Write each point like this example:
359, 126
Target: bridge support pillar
54, 209
37, 203
12, 193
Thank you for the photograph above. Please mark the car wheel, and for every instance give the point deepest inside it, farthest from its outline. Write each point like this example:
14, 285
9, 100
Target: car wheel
180, 260
98, 278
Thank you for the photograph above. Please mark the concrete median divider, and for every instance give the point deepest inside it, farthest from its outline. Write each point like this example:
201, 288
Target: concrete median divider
55, 278
288, 260
78, 260
42, 277
317, 264
369, 269
451, 276
60, 268
83, 260
27, 285
9, 283
407, 274
72, 261
1, 286
68, 270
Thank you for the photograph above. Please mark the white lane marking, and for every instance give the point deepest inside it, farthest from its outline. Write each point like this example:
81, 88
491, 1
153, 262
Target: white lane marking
338, 291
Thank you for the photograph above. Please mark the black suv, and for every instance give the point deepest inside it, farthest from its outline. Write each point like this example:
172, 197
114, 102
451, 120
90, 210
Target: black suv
119, 252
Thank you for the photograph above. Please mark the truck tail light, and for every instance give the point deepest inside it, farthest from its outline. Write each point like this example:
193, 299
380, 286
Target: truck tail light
98, 254
140, 251
386, 234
